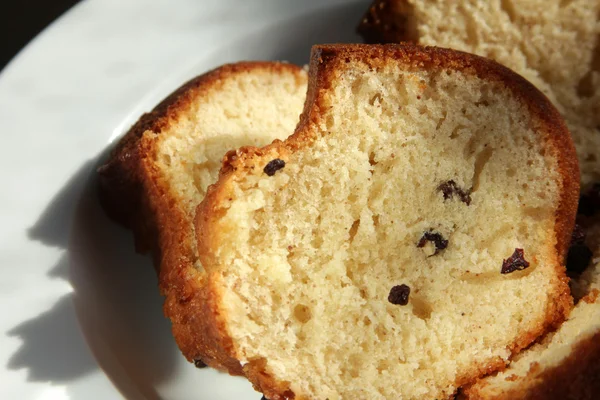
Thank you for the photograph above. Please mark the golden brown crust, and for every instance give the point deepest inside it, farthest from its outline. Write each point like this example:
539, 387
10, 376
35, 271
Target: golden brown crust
136, 194
325, 63
576, 378
272, 388
591, 297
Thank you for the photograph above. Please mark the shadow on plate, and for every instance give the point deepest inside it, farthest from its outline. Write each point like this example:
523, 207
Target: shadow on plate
53, 348
115, 299
115, 295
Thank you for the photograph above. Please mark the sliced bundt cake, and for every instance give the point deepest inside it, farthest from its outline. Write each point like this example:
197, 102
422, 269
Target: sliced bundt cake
554, 44
406, 240
159, 172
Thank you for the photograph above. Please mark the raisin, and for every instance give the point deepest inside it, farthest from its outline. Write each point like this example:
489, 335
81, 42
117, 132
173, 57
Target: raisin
589, 202
198, 363
263, 398
436, 238
450, 188
399, 295
516, 262
274, 166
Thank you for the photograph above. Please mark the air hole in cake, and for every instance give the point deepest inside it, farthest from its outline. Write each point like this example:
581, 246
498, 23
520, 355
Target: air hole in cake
355, 363
534, 212
365, 346
480, 162
354, 229
349, 274
420, 307
565, 3
519, 317
166, 159
456, 131
509, 9
302, 313
441, 120
329, 122
201, 177
382, 365
472, 29
375, 221
352, 197
301, 335
316, 240
470, 147
357, 85
381, 332
363, 293
372, 161
376, 100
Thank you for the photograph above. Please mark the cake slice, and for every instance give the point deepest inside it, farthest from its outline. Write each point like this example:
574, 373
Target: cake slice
566, 364
555, 44
159, 172
406, 240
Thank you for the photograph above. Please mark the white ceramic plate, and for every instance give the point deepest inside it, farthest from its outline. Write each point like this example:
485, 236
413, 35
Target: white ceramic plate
80, 313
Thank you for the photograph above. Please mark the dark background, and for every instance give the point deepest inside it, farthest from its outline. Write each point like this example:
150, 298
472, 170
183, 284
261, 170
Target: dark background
22, 20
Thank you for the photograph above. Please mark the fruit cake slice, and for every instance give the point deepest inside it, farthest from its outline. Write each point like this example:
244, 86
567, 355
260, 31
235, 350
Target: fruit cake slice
555, 44
159, 172
406, 240
520, 34
566, 364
